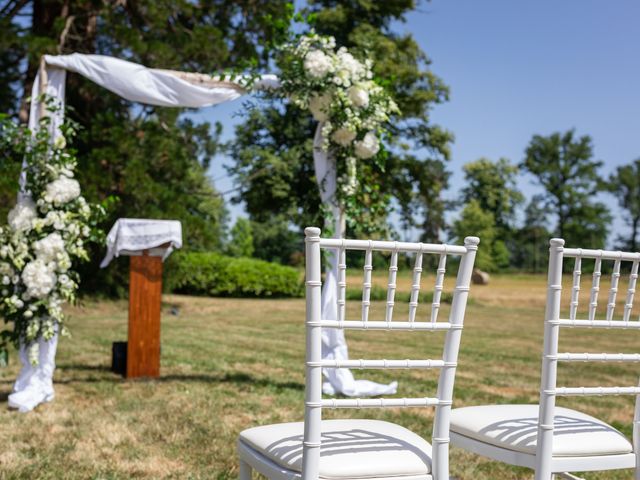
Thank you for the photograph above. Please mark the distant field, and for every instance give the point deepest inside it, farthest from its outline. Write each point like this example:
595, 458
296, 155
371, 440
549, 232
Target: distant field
229, 364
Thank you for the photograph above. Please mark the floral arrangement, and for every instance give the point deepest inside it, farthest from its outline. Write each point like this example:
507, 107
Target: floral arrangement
340, 92
46, 233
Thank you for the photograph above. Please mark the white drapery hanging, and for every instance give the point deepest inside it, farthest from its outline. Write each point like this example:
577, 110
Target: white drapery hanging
169, 88
334, 345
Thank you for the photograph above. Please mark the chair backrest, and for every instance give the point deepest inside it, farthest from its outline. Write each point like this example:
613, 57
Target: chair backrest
594, 319
453, 328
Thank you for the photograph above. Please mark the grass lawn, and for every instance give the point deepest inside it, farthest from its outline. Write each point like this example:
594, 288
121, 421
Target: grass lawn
228, 364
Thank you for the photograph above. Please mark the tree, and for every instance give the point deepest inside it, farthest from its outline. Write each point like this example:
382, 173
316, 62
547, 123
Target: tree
476, 221
493, 185
273, 148
529, 244
241, 243
563, 165
152, 159
625, 185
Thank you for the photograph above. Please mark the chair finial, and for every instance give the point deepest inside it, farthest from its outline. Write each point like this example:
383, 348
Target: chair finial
312, 232
471, 241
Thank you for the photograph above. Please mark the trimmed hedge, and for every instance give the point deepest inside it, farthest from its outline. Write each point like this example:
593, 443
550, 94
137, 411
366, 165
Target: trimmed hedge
215, 275
380, 294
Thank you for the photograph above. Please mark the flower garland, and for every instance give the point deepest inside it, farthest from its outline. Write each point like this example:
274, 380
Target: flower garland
340, 92
46, 233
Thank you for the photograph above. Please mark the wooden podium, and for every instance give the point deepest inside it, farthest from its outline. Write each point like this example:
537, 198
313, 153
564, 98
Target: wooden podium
148, 242
145, 302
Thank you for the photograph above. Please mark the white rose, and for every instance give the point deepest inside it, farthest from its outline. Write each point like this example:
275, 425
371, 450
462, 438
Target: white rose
48, 248
319, 106
60, 142
28, 314
22, 215
368, 146
317, 63
358, 96
38, 279
343, 136
6, 280
63, 190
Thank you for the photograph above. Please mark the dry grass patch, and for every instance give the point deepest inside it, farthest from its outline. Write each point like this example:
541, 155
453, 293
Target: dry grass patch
228, 364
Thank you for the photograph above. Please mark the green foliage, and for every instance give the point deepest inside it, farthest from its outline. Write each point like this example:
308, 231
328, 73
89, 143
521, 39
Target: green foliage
241, 242
624, 183
273, 149
378, 293
530, 243
275, 242
475, 221
152, 159
563, 165
212, 274
46, 234
493, 185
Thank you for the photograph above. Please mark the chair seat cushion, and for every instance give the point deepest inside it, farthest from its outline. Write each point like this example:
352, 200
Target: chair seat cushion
349, 448
515, 427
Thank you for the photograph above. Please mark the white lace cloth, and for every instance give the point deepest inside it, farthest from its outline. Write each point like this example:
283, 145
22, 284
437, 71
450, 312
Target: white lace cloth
135, 235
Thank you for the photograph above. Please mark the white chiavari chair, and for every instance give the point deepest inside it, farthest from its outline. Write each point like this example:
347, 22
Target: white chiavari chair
554, 440
351, 448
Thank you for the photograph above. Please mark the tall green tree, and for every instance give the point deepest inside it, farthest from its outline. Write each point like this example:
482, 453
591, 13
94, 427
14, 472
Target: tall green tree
273, 148
493, 185
153, 159
476, 221
624, 183
241, 241
563, 165
529, 245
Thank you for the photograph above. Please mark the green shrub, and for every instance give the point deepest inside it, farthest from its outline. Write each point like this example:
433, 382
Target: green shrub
215, 275
380, 294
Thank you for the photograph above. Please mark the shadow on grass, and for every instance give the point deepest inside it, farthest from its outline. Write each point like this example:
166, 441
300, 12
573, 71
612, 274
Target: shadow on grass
232, 377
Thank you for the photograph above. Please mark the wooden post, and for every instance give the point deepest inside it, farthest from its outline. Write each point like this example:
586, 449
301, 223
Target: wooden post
145, 297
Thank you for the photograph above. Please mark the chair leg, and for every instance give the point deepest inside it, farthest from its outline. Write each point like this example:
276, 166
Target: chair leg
245, 471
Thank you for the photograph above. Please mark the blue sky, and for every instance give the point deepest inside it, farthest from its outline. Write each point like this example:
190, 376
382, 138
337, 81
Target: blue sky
521, 68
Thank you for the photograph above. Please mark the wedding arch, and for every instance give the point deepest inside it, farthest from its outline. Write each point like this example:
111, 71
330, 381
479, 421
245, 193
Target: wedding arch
336, 88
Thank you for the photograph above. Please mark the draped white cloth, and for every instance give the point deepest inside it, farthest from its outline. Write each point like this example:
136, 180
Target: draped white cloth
170, 89
334, 344
137, 234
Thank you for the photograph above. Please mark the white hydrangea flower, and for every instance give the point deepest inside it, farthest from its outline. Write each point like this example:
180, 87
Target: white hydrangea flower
22, 215
342, 78
350, 64
62, 190
39, 279
49, 248
319, 106
368, 146
358, 96
343, 136
56, 219
317, 63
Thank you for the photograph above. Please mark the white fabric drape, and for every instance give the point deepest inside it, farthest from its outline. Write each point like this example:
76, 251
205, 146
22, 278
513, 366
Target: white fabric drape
138, 234
334, 344
170, 89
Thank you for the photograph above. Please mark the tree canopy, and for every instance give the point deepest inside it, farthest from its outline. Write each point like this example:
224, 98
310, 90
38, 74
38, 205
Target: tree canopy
273, 149
153, 160
564, 166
